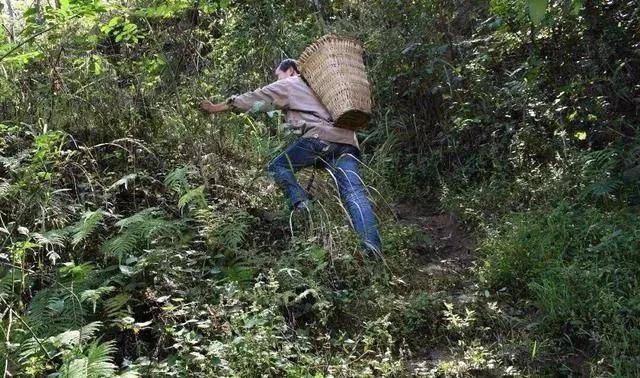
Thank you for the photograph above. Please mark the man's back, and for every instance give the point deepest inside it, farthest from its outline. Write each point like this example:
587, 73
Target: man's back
306, 109
303, 109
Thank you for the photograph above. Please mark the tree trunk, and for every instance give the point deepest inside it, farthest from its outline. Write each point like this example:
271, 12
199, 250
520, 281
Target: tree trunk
11, 14
39, 19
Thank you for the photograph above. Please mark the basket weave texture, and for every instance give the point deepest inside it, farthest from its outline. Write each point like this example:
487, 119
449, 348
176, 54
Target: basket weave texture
334, 68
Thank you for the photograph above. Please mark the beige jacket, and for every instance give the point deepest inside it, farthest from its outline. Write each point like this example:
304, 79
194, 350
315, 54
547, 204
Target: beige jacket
303, 110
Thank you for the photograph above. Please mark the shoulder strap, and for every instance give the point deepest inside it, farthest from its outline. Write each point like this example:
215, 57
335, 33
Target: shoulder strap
330, 120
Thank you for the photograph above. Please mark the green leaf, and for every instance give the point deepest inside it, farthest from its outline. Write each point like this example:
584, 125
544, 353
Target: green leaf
576, 7
195, 195
581, 135
537, 10
89, 222
64, 5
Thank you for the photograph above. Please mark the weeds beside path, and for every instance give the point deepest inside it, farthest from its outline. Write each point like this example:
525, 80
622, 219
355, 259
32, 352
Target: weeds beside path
454, 327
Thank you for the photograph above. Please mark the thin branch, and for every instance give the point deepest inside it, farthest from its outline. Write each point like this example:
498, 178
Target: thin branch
29, 328
31, 39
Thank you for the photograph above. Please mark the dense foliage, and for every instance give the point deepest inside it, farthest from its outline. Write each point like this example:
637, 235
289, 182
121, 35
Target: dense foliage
139, 237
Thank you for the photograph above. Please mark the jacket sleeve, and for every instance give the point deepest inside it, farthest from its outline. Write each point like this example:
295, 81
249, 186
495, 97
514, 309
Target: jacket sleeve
270, 97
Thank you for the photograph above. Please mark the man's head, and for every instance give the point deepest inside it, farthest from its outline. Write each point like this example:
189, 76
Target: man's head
287, 68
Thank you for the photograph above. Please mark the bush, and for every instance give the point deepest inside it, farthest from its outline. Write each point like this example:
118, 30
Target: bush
580, 267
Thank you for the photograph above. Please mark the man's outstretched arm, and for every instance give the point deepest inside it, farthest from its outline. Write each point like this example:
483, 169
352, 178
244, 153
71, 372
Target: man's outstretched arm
210, 107
273, 96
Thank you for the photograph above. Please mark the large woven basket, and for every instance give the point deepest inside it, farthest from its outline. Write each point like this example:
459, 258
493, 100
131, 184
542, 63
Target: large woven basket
334, 68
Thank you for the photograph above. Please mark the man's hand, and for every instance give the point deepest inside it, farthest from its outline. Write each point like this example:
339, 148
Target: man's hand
210, 107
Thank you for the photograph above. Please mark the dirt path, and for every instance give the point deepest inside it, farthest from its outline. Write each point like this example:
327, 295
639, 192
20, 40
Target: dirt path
444, 270
448, 255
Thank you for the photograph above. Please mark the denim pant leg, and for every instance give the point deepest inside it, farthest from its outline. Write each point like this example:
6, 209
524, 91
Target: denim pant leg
353, 194
301, 153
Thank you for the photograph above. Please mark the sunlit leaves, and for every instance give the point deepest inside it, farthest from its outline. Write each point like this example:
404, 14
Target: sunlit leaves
123, 30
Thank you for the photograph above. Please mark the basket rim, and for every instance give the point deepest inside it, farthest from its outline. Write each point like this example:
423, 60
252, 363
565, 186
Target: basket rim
308, 51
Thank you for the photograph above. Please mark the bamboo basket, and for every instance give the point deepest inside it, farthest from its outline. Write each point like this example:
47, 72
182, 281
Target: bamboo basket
334, 68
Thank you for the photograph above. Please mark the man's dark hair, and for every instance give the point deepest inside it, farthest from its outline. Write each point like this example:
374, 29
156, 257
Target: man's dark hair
288, 63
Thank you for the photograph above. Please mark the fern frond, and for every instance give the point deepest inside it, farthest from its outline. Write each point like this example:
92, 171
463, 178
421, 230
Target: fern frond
9, 281
50, 240
119, 246
144, 226
75, 368
139, 217
604, 187
176, 181
89, 331
115, 306
100, 359
97, 362
11, 163
232, 234
51, 237
85, 227
93, 295
5, 188
228, 229
29, 347
160, 228
194, 195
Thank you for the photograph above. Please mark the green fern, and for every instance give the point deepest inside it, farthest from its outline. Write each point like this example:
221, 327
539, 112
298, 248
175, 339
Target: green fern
194, 195
93, 295
12, 163
5, 188
68, 339
86, 226
11, 279
139, 217
599, 169
232, 233
50, 240
125, 243
57, 307
226, 229
116, 306
143, 228
604, 187
176, 181
95, 362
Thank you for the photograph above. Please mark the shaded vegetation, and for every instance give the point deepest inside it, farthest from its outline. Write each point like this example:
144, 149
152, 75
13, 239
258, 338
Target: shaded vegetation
139, 237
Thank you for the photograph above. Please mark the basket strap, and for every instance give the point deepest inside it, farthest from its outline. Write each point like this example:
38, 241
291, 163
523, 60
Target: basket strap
330, 120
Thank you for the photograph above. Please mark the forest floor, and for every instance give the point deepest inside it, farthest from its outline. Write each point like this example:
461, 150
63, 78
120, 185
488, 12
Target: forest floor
472, 332
444, 266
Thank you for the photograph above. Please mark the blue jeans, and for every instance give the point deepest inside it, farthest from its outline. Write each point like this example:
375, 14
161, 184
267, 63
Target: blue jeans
341, 160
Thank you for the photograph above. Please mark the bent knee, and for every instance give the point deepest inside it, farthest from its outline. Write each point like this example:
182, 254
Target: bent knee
275, 166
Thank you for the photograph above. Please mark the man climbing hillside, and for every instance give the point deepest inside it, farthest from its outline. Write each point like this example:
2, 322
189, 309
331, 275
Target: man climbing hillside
336, 149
